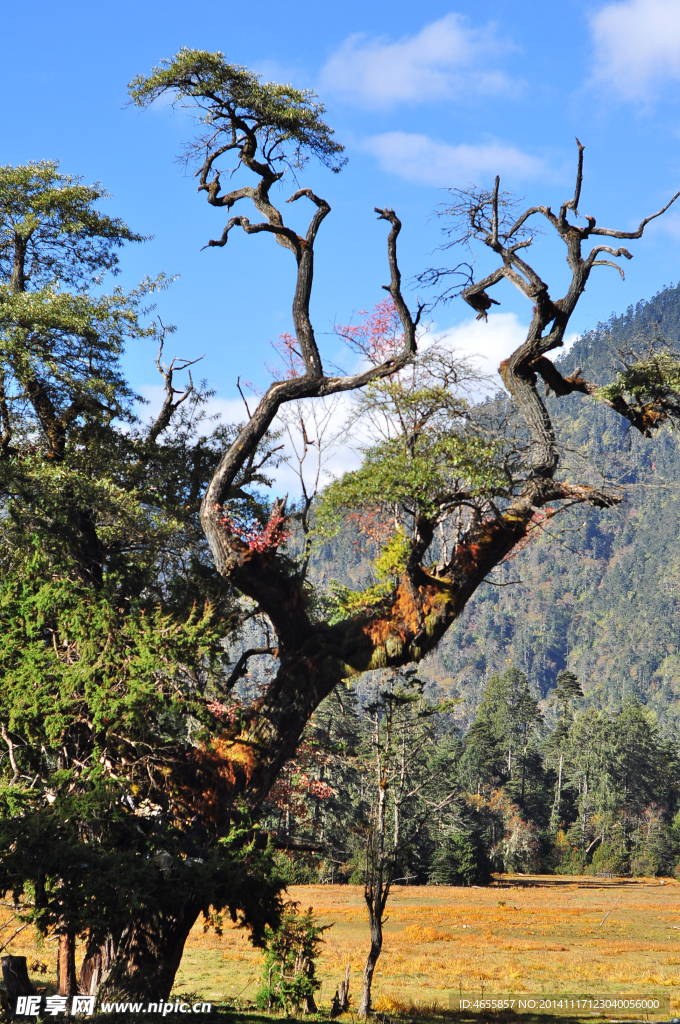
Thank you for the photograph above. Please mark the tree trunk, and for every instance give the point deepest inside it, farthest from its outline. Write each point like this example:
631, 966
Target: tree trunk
375, 892
557, 802
371, 961
95, 966
148, 955
66, 964
15, 976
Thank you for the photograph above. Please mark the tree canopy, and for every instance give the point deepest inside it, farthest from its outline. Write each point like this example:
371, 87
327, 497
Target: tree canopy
113, 627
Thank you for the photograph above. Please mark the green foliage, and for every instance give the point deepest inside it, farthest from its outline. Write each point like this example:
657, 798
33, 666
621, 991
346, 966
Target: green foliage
113, 621
568, 860
289, 972
68, 655
295, 870
286, 123
567, 690
68, 244
60, 343
461, 858
388, 567
651, 380
104, 708
91, 859
72, 343
418, 475
498, 743
612, 858
429, 461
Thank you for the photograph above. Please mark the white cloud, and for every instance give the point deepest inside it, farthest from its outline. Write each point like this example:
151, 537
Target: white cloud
445, 59
637, 46
569, 340
419, 158
488, 343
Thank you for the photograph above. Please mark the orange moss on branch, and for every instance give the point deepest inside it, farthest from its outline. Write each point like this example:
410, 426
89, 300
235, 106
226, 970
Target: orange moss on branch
216, 770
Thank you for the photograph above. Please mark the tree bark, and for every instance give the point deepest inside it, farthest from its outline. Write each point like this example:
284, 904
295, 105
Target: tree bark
369, 968
148, 955
66, 964
377, 888
15, 976
340, 1002
96, 966
310, 1005
557, 802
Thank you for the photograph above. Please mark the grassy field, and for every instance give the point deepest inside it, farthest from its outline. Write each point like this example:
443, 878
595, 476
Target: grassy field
523, 934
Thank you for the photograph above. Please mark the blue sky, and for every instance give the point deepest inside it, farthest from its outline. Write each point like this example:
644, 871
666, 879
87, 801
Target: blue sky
424, 96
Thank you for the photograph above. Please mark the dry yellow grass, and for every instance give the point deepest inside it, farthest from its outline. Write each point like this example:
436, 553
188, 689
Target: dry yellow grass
529, 934
523, 934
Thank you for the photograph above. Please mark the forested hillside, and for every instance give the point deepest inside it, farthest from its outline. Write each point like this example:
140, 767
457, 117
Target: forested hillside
597, 592
567, 790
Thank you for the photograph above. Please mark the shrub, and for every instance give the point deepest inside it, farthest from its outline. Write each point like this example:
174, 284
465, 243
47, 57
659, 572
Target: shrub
571, 861
289, 971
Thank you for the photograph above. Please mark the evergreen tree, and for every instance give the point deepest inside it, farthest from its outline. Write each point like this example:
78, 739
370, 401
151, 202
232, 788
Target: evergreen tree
566, 692
114, 623
507, 719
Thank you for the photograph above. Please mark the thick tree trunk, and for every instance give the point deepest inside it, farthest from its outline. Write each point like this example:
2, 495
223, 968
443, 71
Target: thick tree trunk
66, 964
96, 966
148, 955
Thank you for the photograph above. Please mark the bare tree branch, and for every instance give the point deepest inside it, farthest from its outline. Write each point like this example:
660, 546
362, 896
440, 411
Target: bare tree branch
240, 391
10, 746
170, 403
572, 204
241, 666
312, 384
608, 263
643, 223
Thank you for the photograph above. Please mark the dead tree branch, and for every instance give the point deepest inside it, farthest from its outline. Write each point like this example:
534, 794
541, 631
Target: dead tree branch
170, 403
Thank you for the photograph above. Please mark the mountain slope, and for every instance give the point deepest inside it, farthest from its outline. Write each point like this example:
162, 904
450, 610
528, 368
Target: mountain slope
599, 593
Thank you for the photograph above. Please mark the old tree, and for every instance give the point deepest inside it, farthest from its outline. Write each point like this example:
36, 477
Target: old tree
125, 742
